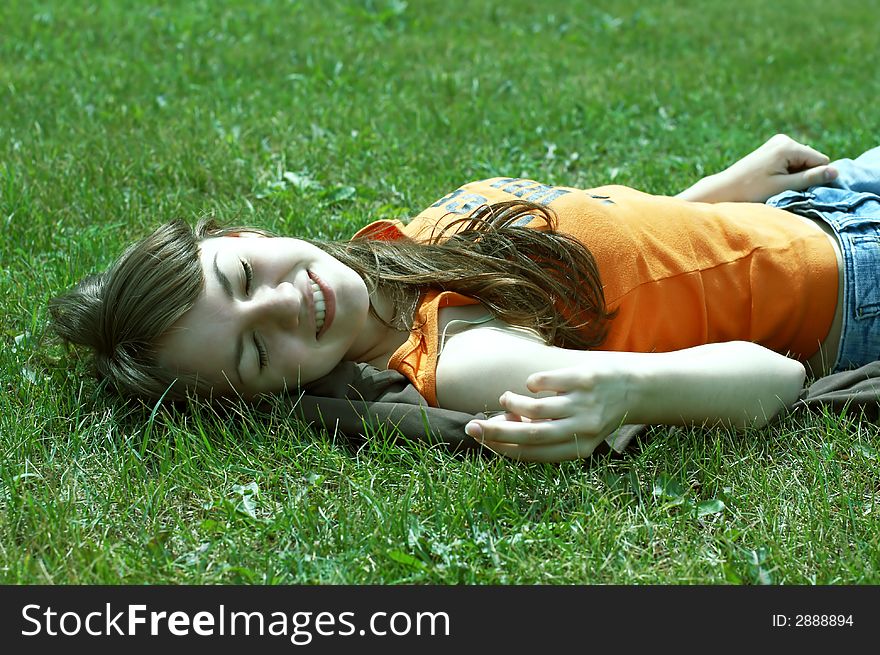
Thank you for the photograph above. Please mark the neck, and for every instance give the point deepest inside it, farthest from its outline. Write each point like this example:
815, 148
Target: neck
380, 340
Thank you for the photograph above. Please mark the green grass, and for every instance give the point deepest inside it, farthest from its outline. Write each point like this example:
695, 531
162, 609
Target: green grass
116, 116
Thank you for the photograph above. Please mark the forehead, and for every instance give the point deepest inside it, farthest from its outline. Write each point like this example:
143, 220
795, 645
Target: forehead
211, 246
202, 341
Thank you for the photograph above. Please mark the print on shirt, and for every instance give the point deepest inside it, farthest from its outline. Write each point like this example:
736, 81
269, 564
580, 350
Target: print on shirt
462, 201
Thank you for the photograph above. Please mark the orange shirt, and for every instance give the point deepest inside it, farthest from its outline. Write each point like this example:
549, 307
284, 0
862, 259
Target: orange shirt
679, 273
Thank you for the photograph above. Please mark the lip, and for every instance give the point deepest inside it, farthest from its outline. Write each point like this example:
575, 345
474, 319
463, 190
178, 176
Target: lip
329, 302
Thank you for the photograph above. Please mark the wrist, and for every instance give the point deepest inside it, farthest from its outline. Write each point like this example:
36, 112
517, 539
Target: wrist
640, 389
670, 388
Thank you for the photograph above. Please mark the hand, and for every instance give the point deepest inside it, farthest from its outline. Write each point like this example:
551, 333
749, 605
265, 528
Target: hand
587, 407
781, 164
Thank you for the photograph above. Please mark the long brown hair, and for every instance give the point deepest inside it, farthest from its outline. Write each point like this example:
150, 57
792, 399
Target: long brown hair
122, 313
532, 277
535, 278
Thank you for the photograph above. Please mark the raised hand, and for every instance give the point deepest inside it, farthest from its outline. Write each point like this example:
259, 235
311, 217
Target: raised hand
780, 164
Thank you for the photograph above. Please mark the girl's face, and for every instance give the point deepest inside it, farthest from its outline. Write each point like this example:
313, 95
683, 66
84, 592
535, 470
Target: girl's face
275, 313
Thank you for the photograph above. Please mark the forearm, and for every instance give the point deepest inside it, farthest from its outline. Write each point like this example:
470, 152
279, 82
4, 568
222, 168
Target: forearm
738, 384
713, 188
733, 383
778, 165
559, 404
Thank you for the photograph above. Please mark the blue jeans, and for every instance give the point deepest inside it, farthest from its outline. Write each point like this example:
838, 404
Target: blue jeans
851, 206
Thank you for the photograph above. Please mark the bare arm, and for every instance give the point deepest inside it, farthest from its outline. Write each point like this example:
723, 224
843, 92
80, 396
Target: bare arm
561, 403
779, 165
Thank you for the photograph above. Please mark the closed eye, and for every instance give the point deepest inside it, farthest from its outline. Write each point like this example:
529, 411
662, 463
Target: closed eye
248, 276
261, 353
248, 283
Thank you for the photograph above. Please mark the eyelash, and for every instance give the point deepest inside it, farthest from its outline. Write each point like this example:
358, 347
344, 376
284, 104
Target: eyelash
248, 278
264, 357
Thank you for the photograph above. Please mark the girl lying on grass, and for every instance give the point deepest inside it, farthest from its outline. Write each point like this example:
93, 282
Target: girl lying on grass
571, 311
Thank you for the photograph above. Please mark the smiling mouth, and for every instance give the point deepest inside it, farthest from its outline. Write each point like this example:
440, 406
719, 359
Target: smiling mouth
320, 306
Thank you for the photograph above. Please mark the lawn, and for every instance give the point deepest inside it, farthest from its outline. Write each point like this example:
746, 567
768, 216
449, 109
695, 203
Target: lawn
313, 118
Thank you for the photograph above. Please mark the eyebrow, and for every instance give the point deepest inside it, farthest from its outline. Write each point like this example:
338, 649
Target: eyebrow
227, 289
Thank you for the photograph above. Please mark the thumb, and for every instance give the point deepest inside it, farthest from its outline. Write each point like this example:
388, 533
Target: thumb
816, 176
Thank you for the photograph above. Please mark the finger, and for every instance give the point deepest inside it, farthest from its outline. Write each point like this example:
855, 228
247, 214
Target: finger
811, 177
474, 428
821, 175
577, 448
550, 407
559, 380
501, 429
802, 157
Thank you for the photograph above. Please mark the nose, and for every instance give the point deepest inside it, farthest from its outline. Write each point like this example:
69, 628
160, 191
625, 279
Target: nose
279, 305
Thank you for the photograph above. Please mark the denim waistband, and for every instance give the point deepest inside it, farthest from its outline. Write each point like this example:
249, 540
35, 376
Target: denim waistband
854, 215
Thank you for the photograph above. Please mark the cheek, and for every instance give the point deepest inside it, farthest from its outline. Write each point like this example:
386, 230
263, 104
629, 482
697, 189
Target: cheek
290, 360
353, 299
299, 365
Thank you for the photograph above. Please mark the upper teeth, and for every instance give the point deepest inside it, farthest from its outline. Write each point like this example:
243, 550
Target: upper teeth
320, 306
